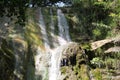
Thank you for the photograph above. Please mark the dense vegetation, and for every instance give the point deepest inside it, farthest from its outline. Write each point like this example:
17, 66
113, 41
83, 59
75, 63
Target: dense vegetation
91, 20
18, 7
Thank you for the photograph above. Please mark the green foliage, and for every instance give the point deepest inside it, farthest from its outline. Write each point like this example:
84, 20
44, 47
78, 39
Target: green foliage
95, 18
97, 62
109, 62
18, 8
112, 63
32, 31
64, 69
92, 20
86, 46
96, 33
83, 72
97, 74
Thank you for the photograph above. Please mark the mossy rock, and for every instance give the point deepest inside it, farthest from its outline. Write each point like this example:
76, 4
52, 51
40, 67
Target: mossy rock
7, 59
75, 73
12, 51
76, 68
74, 54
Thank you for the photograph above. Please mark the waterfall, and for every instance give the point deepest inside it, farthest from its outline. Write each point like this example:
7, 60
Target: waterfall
52, 22
63, 38
52, 31
63, 26
43, 31
54, 70
41, 56
41, 65
47, 63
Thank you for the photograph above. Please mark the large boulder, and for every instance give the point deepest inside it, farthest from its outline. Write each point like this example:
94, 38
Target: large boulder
74, 63
73, 54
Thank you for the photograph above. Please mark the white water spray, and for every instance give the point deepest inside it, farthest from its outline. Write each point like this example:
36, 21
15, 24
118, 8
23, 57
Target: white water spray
43, 31
41, 56
46, 66
63, 26
63, 39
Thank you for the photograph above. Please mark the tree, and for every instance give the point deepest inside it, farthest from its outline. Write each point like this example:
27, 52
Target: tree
18, 7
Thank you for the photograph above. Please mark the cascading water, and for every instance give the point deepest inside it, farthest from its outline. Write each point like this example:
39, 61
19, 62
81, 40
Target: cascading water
52, 22
63, 38
63, 26
40, 58
43, 31
47, 63
41, 65
52, 30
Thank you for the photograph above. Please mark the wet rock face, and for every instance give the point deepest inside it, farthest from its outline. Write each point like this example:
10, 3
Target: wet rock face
74, 63
12, 57
72, 55
7, 59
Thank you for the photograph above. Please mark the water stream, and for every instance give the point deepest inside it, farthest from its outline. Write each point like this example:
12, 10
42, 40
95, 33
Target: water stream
63, 26
43, 31
63, 38
41, 56
47, 63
